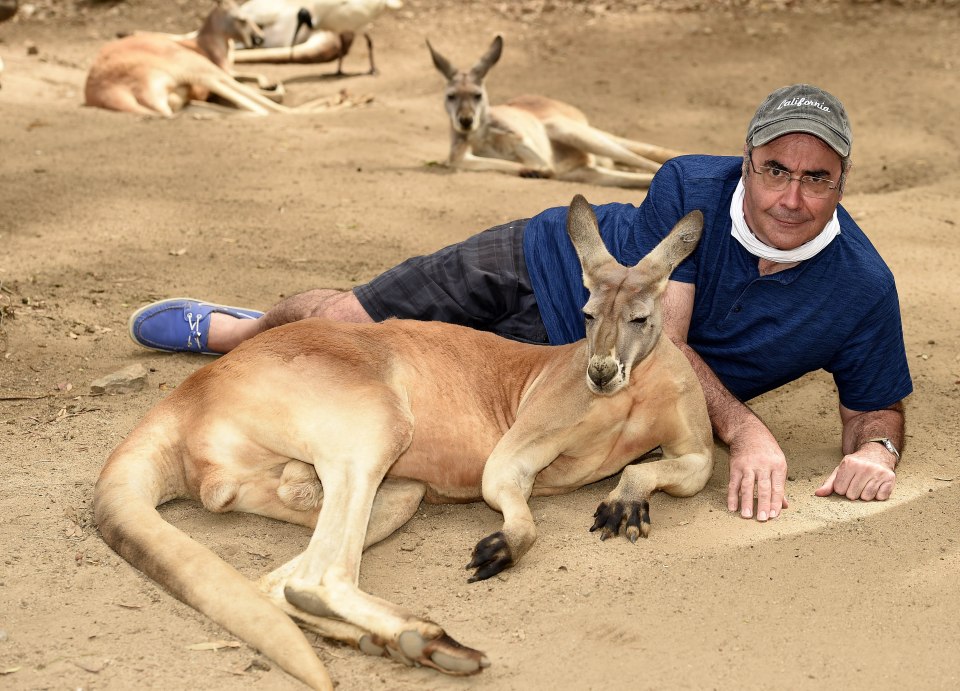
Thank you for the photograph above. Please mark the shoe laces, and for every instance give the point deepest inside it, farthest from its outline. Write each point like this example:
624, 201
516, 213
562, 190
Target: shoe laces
194, 325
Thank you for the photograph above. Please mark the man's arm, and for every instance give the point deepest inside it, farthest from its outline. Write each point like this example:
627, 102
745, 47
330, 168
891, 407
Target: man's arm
756, 459
867, 469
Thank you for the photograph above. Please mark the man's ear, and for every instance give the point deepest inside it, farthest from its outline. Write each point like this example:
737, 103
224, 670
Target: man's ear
844, 176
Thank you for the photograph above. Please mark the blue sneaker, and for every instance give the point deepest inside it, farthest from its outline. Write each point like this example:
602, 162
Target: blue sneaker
179, 325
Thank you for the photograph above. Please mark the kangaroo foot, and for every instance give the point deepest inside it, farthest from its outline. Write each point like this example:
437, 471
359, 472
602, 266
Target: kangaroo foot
634, 516
442, 653
420, 642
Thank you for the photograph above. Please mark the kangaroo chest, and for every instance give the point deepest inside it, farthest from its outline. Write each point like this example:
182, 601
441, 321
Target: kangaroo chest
606, 445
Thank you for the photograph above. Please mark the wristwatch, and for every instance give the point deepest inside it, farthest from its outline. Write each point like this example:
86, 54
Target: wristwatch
888, 445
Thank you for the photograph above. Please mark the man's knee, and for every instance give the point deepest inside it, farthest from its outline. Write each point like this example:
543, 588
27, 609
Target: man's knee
336, 305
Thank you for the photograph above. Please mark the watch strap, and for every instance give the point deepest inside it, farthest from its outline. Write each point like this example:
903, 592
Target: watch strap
886, 443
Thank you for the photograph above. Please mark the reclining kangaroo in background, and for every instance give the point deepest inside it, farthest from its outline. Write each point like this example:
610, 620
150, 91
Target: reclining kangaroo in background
348, 427
536, 136
159, 74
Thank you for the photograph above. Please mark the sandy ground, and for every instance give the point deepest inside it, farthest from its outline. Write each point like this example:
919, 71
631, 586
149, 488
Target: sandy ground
100, 213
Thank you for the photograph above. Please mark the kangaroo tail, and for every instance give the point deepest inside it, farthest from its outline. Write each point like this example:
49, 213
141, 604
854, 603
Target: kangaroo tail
145, 471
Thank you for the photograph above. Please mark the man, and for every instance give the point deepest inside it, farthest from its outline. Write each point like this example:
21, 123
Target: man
782, 283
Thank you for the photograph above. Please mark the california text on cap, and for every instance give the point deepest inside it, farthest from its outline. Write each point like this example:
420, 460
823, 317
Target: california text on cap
802, 108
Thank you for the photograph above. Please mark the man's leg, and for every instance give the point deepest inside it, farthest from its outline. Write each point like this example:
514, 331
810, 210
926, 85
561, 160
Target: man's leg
227, 331
481, 282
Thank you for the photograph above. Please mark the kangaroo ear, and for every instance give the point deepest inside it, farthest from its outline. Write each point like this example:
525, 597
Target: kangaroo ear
585, 234
673, 249
441, 63
489, 59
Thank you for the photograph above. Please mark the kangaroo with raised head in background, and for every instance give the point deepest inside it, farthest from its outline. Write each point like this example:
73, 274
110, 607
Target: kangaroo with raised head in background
536, 136
346, 428
159, 74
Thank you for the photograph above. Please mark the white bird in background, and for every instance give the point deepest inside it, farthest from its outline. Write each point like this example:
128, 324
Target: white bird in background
283, 21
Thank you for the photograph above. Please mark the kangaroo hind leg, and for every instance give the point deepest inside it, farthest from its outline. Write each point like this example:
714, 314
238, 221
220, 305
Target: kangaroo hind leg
325, 581
586, 138
656, 153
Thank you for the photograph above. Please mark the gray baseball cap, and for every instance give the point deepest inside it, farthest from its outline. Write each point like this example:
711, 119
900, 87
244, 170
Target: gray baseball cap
802, 108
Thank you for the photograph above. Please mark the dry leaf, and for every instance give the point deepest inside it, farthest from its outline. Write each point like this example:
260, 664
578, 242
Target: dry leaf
214, 645
10, 670
94, 666
128, 606
178, 253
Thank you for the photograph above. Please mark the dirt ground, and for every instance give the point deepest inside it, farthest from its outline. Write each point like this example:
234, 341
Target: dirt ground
102, 212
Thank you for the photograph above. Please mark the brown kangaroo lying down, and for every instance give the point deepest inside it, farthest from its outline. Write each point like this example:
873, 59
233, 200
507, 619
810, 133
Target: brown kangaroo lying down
159, 74
348, 427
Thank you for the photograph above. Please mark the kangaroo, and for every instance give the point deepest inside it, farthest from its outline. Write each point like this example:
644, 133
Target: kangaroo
159, 74
535, 136
346, 428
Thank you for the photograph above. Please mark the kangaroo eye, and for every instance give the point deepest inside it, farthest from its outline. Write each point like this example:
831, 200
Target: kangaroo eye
587, 317
477, 97
451, 97
639, 320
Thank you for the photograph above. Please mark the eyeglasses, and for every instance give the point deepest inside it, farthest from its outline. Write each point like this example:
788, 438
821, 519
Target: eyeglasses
778, 179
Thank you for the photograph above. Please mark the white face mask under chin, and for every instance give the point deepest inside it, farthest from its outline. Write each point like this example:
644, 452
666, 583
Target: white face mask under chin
742, 233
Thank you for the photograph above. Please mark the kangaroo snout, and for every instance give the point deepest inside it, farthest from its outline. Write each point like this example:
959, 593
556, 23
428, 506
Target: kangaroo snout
602, 370
465, 121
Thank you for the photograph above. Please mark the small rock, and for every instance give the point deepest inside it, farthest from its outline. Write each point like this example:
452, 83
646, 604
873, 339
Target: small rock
259, 664
127, 380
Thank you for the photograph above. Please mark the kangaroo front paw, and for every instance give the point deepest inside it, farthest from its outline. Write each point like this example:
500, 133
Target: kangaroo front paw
490, 557
634, 516
536, 173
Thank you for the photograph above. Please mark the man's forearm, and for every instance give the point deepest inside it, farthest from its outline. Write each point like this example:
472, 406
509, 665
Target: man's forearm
727, 414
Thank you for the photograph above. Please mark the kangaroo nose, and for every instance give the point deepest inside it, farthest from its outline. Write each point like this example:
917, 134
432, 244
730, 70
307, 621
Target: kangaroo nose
602, 371
257, 41
466, 122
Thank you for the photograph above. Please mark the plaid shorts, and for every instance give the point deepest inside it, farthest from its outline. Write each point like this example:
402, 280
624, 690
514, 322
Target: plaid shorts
481, 282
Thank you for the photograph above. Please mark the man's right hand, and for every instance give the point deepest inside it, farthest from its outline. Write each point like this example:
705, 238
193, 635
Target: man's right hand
757, 468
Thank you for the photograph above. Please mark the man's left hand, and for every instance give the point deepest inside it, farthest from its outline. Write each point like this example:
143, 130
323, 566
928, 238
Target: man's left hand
865, 474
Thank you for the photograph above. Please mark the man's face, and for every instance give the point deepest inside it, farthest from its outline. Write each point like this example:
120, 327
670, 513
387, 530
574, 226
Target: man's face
787, 219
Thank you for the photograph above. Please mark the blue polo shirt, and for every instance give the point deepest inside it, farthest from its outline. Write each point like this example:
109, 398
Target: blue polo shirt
837, 311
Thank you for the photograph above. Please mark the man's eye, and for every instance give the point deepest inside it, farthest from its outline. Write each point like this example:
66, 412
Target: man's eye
777, 173
815, 180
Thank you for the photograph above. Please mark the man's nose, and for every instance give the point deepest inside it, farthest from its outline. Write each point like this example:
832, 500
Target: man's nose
791, 197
